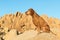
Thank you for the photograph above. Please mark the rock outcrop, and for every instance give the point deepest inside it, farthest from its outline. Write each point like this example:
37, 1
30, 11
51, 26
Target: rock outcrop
28, 20
20, 25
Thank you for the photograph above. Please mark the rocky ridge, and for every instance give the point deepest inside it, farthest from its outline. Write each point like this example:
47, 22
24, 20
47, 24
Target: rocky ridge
30, 20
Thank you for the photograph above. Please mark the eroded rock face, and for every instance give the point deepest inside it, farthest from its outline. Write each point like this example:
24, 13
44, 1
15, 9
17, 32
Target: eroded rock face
54, 24
45, 36
23, 23
28, 20
20, 22
29, 35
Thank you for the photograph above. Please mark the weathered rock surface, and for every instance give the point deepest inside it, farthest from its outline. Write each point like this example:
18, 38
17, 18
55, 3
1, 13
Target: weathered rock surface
54, 24
30, 35
29, 26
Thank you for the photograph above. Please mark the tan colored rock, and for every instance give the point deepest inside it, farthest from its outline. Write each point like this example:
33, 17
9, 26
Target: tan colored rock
25, 36
22, 22
10, 35
54, 25
29, 35
30, 20
45, 17
45, 36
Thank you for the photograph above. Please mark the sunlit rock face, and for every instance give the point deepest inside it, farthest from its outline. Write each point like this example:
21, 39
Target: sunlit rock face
21, 22
29, 35
29, 26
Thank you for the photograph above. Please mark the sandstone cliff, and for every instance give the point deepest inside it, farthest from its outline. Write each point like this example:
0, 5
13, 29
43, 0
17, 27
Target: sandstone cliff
18, 26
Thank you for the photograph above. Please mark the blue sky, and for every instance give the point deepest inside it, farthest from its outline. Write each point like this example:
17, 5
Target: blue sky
49, 7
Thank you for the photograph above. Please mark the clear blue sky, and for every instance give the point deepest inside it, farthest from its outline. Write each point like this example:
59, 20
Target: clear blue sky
49, 7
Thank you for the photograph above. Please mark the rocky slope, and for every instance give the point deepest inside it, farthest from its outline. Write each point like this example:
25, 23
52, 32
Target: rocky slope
29, 26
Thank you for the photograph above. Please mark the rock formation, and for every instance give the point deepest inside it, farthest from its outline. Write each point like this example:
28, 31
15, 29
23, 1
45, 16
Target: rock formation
22, 22
30, 20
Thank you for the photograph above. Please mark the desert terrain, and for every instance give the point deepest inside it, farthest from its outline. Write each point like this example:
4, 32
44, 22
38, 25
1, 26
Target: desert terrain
29, 26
